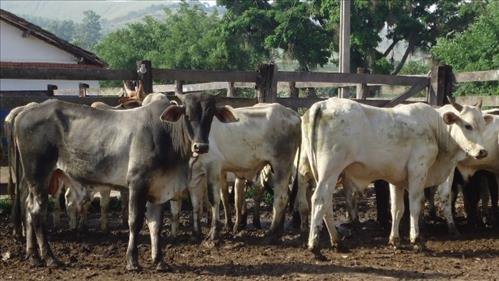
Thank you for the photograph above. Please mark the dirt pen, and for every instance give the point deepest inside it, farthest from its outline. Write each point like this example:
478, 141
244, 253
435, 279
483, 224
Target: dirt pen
93, 255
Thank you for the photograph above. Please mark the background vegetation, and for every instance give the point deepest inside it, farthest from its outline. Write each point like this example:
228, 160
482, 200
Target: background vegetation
302, 35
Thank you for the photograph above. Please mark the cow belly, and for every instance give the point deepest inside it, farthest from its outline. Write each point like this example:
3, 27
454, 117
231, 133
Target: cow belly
167, 185
362, 174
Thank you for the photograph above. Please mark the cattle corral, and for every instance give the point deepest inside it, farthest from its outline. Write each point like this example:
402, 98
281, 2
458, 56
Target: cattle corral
96, 256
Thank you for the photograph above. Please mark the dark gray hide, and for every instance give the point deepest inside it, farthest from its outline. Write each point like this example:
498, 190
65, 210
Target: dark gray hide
128, 148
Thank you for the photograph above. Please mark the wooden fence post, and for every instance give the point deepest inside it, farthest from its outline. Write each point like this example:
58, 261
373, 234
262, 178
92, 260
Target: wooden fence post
266, 84
293, 91
441, 84
179, 87
50, 89
144, 71
362, 90
231, 90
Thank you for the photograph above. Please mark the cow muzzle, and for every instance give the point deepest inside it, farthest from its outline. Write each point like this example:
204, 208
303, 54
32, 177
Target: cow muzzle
199, 148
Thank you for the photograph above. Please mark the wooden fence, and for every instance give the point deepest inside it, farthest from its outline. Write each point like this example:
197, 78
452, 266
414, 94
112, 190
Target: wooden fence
266, 80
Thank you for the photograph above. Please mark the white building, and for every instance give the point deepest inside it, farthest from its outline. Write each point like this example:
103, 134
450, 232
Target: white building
23, 44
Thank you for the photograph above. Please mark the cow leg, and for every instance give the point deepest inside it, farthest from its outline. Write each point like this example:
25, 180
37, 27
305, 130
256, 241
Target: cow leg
57, 212
319, 204
329, 220
136, 207
214, 198
31, 251
224, 192
351, 201
260, 190
494, 190
83, 223
416, 201
37, 210
446, 199
124, 207
71, 210
197, 196
105, 195
175, 207
382, 203
397, 210
154, 216
429, 194
280, 184
302, 202
239, 188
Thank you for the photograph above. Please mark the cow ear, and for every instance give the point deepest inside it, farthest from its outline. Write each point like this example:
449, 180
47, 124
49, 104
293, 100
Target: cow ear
172, 113
450, 118
225, 114
488, 119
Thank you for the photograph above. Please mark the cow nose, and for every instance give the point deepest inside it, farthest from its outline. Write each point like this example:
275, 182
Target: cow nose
481, 154
200, 148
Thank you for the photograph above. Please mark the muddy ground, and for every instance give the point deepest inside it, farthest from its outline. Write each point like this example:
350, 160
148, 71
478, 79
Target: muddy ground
97, 256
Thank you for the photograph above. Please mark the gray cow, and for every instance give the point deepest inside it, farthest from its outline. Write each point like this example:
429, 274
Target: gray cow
140, 149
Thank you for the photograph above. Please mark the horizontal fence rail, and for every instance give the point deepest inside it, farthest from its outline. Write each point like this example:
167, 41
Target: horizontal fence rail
477, 76
67, 73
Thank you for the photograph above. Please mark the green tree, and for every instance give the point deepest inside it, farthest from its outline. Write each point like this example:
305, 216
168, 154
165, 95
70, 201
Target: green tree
417, 22
89, 31
474, 49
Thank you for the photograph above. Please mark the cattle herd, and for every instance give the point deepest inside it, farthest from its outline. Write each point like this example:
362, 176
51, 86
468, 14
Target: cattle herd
171, 147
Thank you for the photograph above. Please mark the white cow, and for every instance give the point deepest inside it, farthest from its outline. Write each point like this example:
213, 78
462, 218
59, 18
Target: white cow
411, 146
265, 134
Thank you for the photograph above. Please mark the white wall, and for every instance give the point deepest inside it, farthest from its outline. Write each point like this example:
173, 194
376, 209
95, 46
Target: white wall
16, 48
41, 85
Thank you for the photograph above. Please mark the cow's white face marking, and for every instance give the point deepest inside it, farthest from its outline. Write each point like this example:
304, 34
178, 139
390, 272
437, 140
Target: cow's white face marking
467, 129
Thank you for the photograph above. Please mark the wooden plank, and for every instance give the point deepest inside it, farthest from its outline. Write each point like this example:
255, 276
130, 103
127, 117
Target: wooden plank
204, 75
307, 102
411, 92
236, 101
170, 88
354, 78
477, 76
321, 85
67, 73
487, 100
10, 101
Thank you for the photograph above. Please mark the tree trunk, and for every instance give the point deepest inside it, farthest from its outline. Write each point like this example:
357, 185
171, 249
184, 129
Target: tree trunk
390, 48
404, 58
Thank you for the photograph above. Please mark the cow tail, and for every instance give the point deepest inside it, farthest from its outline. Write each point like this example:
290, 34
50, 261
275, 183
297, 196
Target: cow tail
294, 184
16, 213
312, 139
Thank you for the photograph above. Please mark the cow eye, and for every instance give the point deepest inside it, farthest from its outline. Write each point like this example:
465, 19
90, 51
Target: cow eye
468, 127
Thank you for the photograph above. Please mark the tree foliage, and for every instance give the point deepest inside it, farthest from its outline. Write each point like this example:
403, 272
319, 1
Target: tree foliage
89, 31
474, 49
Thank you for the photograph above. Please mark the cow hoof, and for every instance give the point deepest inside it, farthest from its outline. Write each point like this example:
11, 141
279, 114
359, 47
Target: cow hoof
52, 262
256, 223
35, 261
394, 242
210, 244
133, 267
318, 256
418, 245
271, 239
163, 267
339, 248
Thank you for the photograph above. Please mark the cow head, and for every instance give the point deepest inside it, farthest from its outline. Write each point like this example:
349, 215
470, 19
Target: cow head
467, 127
198, 111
